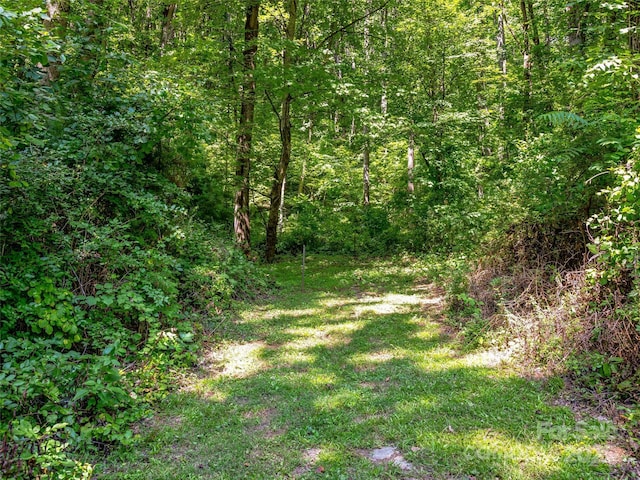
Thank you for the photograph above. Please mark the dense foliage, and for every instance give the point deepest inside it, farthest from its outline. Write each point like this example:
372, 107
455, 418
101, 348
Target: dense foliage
107, 275
504, 130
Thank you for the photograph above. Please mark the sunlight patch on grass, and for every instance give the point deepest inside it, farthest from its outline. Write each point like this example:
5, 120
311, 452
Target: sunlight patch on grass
260, 315
378, 357
336, 302
239, 360
426, 335
345, 398
387, 304
290, 358
327, 335
488, 358
203, 389
321, 379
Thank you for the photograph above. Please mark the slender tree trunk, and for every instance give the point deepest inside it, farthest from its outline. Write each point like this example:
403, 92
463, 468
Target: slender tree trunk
281, 210
501, 43
366, 181
285, 138
241, 221
303, 170
132, 11
501, 47
526, 60
384, 101
411, 162
366, 153
533, 21
634, 26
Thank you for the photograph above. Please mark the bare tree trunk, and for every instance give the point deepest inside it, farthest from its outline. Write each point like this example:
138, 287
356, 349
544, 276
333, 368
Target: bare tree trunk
241, 221
277, 188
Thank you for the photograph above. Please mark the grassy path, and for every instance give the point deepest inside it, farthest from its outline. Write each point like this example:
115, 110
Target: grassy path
353, 379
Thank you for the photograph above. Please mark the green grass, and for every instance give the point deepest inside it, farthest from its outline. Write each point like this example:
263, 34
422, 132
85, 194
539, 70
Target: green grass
306, 384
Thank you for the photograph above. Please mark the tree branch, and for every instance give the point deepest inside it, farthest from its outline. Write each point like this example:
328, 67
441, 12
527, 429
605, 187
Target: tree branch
351, 24
273, 107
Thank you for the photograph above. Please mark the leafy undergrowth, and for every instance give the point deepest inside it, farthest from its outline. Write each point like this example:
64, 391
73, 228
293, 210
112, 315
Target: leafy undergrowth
354, 378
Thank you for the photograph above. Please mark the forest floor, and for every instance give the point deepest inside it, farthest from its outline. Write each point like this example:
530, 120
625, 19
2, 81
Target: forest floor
356, 377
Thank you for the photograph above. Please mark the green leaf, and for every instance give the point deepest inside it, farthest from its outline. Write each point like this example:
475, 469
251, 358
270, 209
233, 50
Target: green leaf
33, 140
562, 118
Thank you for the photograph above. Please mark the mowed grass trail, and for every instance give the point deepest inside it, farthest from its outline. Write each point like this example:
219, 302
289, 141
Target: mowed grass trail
353, 378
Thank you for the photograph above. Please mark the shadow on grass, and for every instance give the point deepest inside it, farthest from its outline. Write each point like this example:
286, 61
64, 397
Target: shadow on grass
322, 385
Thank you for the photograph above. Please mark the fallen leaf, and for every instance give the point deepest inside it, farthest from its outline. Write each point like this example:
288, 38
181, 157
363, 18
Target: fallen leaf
320, 469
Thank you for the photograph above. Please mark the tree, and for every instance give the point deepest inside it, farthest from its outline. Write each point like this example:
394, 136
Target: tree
242, 226
284, 126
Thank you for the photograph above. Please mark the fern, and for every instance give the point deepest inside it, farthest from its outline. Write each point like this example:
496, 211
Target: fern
562, 118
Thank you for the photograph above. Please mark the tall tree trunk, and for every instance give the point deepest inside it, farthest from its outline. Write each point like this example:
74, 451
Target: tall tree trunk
366, 154
303, 170
411, 162
526, 61
634, 26
285, 138
281, 210
132, 11
366, 181
168, 14
384, 101
533, 21
55, 12
241, 221
501, 47
501, 43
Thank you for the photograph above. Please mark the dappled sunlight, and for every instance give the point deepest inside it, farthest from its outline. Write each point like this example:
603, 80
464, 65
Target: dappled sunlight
426, 335
202, 389
272, 313
337, 302
377, 357
488, 358
326, 335
503, 453
366, 386
345, 398
238, 360
321, 378
290, 358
